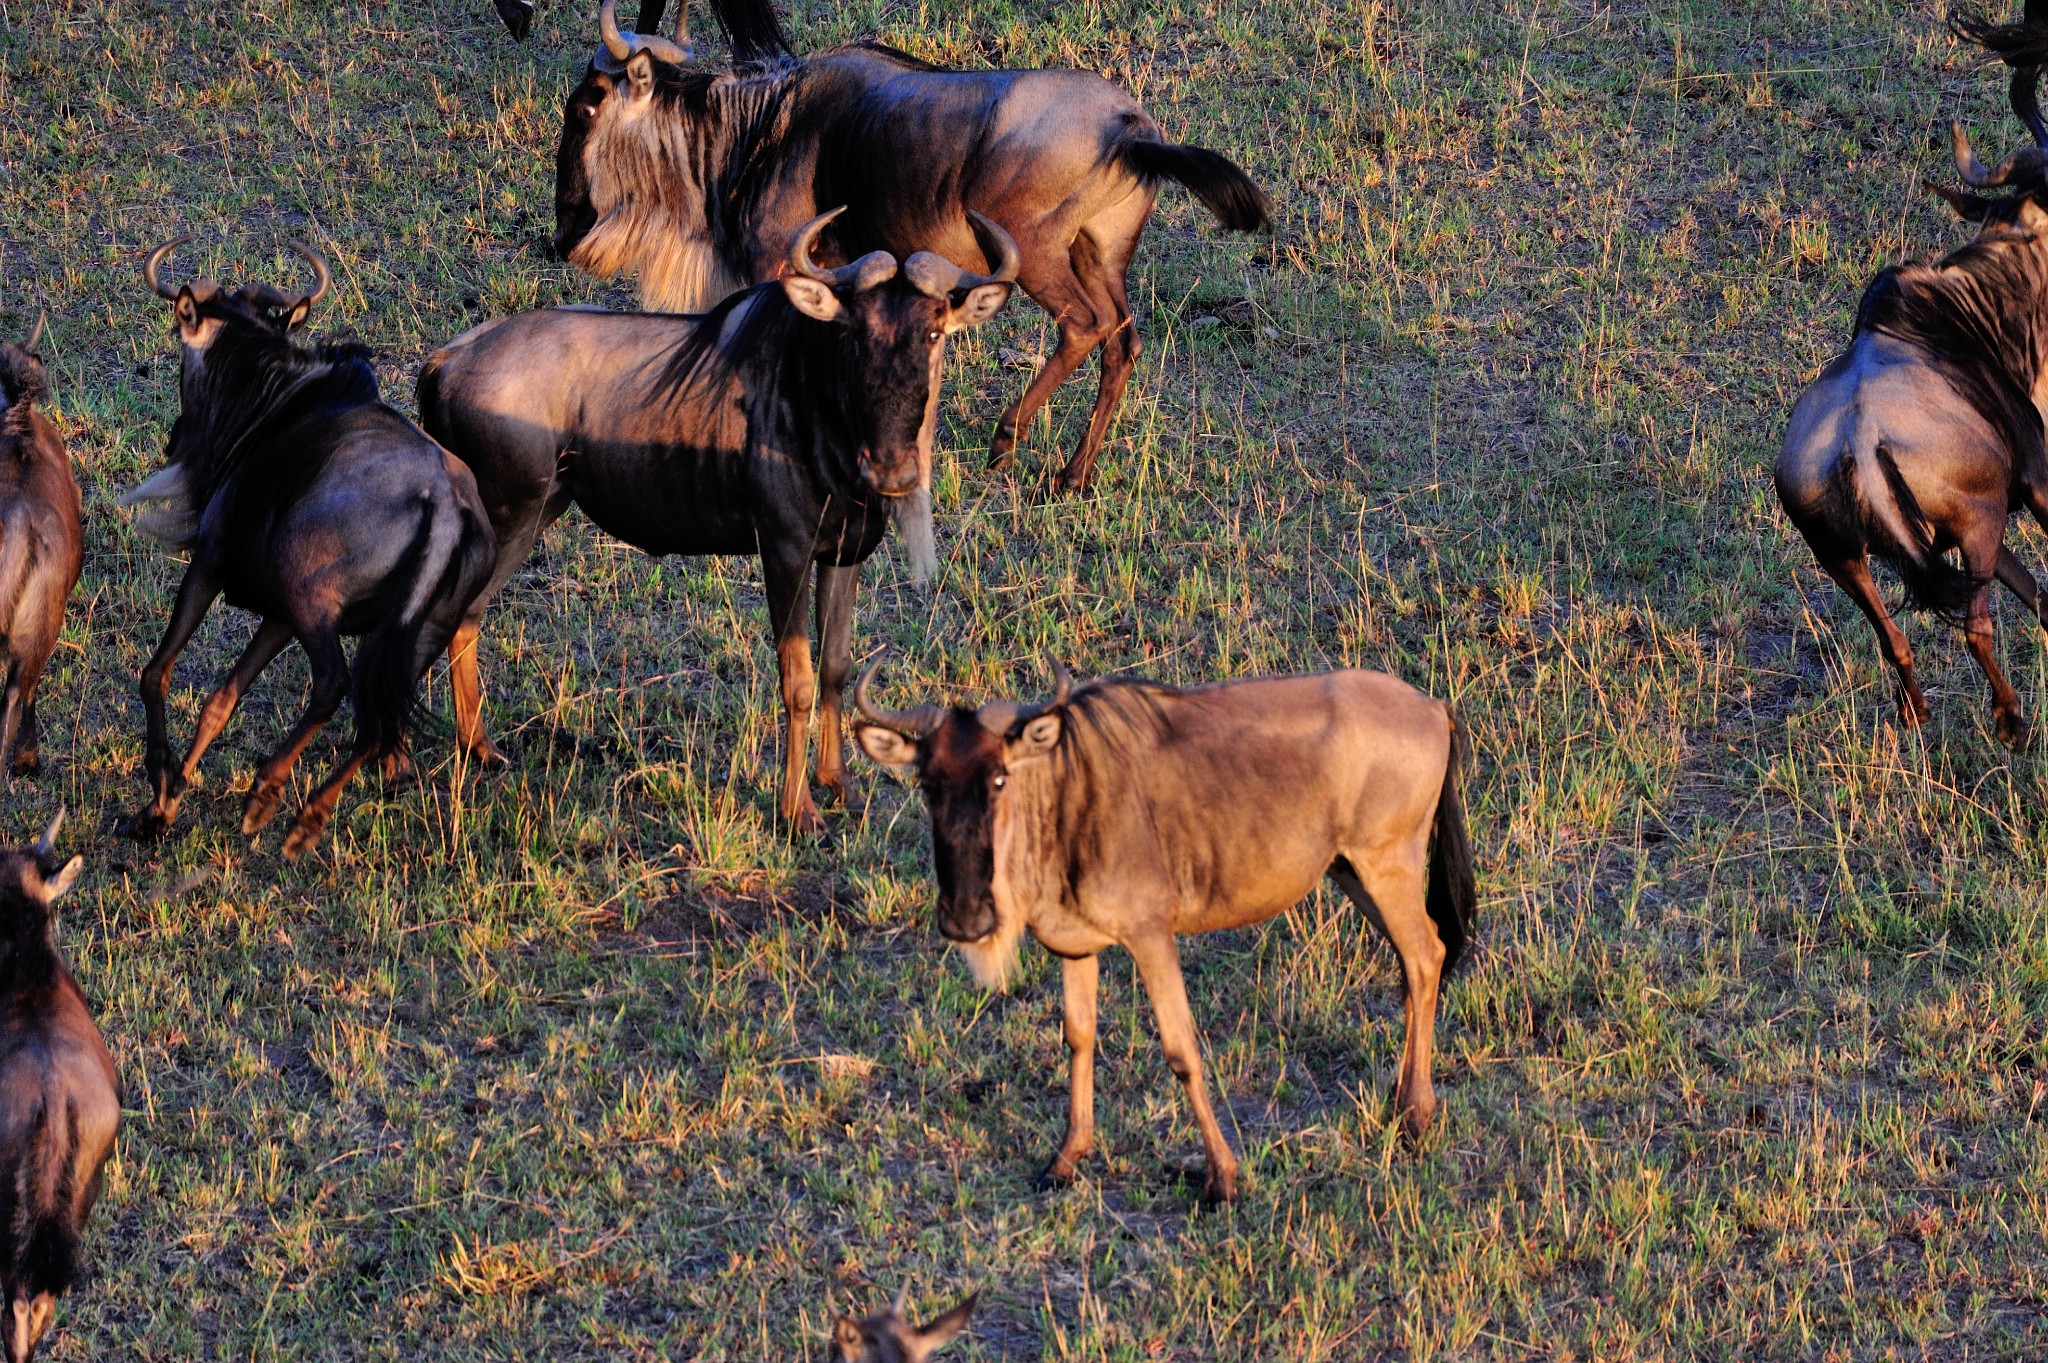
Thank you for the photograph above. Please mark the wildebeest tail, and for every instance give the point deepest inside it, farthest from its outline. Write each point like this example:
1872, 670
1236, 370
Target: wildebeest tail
1899, 532
1452, 895
387, 671
752, 29
1210, 176
41, 1241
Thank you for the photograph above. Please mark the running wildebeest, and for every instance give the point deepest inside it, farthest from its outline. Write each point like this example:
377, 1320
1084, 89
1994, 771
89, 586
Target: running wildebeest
306, 500
1125, 813
59, 1103
698, 179
886, 1337
41, 548
1923, 437
793, 421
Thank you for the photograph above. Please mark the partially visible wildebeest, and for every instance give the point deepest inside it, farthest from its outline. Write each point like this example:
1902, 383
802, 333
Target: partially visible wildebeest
1126, 813
886, 1337
746, 23
41, 549
59, 1103
794, 421
698, 179
308, 501
1926, 434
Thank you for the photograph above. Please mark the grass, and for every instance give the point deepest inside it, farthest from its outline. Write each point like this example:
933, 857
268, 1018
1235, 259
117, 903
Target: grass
586, 1060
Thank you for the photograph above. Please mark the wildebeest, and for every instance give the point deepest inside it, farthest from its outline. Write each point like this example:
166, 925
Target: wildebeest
59, 1103
1125, 812
698, 179
793, 421
41, 549
886, 1337
746, 23
1924, 436
306, 500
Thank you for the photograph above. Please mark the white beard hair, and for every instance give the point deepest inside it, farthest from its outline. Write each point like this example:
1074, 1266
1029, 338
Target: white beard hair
912, 515
994, 958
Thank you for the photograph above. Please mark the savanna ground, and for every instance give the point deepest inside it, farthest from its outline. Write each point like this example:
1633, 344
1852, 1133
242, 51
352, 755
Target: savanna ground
588, 1060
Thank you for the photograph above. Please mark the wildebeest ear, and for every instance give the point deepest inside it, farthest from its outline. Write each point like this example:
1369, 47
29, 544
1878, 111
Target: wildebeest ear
846, 1334
296, 318
981, 303
813, 298
640, 75
54, 887
187, 310
885, 746
942, 1330
1968, 207
1040, 736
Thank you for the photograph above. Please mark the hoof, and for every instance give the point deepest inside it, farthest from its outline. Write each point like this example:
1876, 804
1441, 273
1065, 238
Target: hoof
834, 791
261, 808
488, 755
28, 764
807, 822
305, 835
2013, 729
1061, 1173
1070, 481
1219, 1188
1001, 449
399, 773
146, 826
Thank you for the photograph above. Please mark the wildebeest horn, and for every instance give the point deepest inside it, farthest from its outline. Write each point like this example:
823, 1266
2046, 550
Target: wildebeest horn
2023, 165
324, 279
910, 723
37, 334
47, 844
870, 270
937, 277
621, 46
902, 1299
154, 261
1062, 682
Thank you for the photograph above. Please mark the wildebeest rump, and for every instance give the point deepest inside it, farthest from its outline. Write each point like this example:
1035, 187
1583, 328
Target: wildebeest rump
306, 500
886, 1337
794, 421
59, 1103
1127, 813
41, 549
1923, 437
698, 179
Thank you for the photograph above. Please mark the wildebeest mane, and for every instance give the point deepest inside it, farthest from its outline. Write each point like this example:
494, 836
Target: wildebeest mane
252, 391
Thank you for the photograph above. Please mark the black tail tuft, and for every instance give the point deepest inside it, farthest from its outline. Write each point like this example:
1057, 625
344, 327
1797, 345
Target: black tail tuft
1210, 176
752, 29
385, 683
1453, 897
2021, 44
1932, 582
42, 1241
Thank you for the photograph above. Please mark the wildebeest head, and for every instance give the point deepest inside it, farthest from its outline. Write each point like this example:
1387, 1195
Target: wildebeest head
23, 381
2025, 171
886, 1337
963, 761
31, 880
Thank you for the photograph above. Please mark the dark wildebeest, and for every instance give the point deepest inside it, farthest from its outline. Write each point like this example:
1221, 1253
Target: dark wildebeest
59, 1104
305, 499
886, 1337
793, 421
1925, 435
698, 179
41, 549
1126, 813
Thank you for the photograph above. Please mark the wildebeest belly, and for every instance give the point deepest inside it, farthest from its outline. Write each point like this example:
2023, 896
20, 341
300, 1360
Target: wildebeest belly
673, 502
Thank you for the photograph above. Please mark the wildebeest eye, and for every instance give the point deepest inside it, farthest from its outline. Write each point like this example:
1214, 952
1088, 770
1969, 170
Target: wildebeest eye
931, 338
586, 111
999, 780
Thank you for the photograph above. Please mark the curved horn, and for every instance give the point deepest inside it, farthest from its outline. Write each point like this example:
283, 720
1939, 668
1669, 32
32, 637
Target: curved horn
323, 280
621, 46
47, 844
37, 334
936, 277
800, 249
902, 1299
2026, 102
615, 42
154, 261
1062, 682
909, 723
2024, 164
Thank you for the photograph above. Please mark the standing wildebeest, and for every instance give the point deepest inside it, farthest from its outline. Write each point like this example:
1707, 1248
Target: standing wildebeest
699, 179
59, 1104
1925, 435
308, 501
886, 1337
1126, 813
41, 549
793, 421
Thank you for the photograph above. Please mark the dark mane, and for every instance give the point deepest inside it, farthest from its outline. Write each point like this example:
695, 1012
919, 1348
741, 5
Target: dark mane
895, 54
700, 362
1975, 313
1114, 716
28, 961
253, 391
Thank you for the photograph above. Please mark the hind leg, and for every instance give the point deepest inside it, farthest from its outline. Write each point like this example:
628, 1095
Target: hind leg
525, 524
1104, 274
330, 684
2005, 702
269, 641
1853, 577
10, 723
28, 749
1391, 887
1081, 330
836, 589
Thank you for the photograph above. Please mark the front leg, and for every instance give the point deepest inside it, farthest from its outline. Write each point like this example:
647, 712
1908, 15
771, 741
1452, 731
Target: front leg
1158, 961
196, 596
836, 590
788, 582
1080, 979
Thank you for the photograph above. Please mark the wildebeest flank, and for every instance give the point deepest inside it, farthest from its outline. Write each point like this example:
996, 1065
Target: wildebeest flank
59, 1103
41, 549
794, 422
698, 179
1127, 813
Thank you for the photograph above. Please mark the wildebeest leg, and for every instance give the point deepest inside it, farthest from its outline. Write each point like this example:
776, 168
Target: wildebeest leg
195, 597
312, 820
1853, 576
1119, 354
1081, 330
1392, 890
2005, 702
787, 578
1080, 978
330, 684
269, 641
650, 15
466, 681
10, 722
28, 754
1158, 961
2019, 580
836, 590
